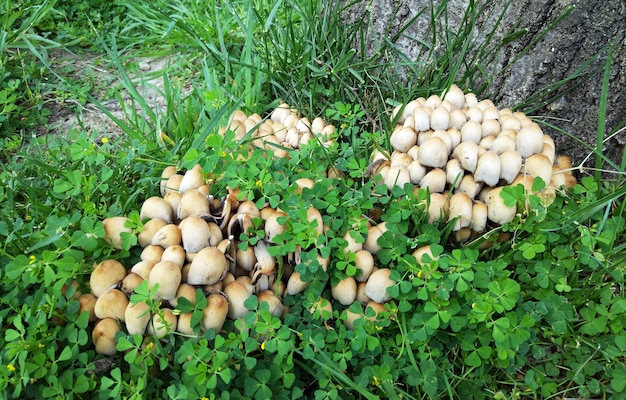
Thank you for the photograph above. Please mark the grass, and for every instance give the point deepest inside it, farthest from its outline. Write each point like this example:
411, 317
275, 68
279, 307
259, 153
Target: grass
541, 315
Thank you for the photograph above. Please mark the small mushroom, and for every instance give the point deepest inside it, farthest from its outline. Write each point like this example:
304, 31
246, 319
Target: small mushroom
167, 173
295, 284
538, 165
434, 180
479, 216
488, 168
193, 202
87, 303
130, 282
440, 118
137, 316
143, 268
152, 253
273, 226
192, 179
529, 140
111, 304
467, 154
167, 275
144, 238
276, 306
265, 264
364, 262
103, 336
162, 323
460, 210
208, 266
373, 234
156, 207
377, 284
433, 152
113, 229
471, 131
175, 254
455, 96
510, 165
497, 211
344, 291
215, 312
167, 236
106, 275
403, 139
195, 233
236, 293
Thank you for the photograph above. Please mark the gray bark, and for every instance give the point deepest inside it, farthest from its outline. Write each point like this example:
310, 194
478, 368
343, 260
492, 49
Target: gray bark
576, 46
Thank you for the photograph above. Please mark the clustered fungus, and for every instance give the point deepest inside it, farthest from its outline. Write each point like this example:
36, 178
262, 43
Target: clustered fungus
462, 150
465, 151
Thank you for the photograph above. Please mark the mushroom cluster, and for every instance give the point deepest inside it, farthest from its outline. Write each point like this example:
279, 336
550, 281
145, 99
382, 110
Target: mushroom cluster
190, 241
285, 130
465, 151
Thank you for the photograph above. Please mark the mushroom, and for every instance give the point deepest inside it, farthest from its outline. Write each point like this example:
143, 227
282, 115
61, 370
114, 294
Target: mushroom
377, 284
467, 154
455, 96
416, 171
469, 186
422, 119
351, 317
273, 226
454, 173
215, 312
479, 216
420, 252
510, 165
437, 207
208, 266
364, 262
354, 241
471, 131
193, 202
276, 306
344, 291
175, 254
192, 179
538, 165
144, 238
130, 282
433, 152
103, 336
195, 233
167, 275
440, 118
152, 253
529, 140
295, 284
403, 139
460, 210
265, 264
143, 268
156, 207
137, 316
497, 211
187, 291
87, 303
236, 293
373, 234
111, 304
435, 181
397, 176
167, 173
164, 321
106, 275
488, 168
113, 229
167, 236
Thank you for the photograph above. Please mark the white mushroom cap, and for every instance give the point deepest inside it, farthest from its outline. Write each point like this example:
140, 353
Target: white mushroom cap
377, 284
175, 254
422, 119
471, 131
474, 114
192, 202
469, 186
137, 316
373, 234
215, 312
461, 210
421, 251
397, 176
435, 181
167, 173
458, 118
208, 266
144, 238
295, 284
502, 143
195, 233
437, 207
529, 140
455, 96
488, 168
192, 179
111, 304
490, 127
540, 166
162, 323
108, 274
433, 152
416, 171
403, 139
497, 211
364, 262
236, 293
440, 118
103, 336
113, 229
130, 282
143, 268
344, 291
510, 165
479, 216
467, 154
167, 275
156, 207
167, 236
454, 173
275, 304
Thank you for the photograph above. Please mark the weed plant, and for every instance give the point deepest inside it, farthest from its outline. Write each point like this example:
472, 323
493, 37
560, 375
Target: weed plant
540, 315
